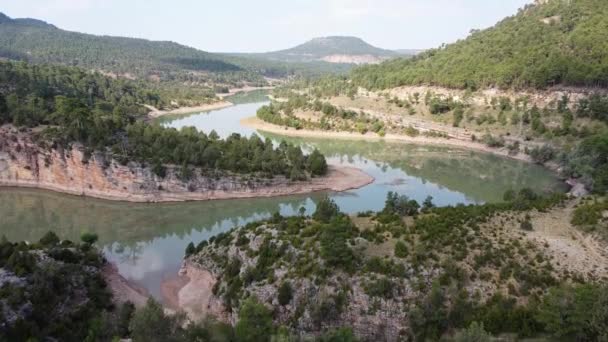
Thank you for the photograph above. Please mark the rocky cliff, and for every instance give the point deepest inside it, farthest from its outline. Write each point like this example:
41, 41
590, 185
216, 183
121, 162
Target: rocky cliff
25, 163
388, 277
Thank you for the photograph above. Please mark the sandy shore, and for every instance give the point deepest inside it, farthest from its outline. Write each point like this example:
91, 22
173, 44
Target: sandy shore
247, 89
191, 291
255, 123
122, 290
156, 113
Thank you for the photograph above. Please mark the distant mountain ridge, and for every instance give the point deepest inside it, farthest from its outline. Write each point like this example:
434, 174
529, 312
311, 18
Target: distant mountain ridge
40, 42
332, 49
36, 41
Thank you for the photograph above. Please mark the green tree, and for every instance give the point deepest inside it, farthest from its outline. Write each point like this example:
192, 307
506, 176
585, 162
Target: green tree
326, 210
568, 311
255, 322
49, 239
190, 249
89, 238
401, 249
316, 163
150, 324
285, 293
474, 333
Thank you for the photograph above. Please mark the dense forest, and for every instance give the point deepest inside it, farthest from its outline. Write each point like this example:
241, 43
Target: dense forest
168, 62
39, 42
103, 114
557, 43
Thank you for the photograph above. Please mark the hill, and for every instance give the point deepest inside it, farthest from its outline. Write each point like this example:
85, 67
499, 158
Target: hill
335, 49
36, 41
39, 42
548, 43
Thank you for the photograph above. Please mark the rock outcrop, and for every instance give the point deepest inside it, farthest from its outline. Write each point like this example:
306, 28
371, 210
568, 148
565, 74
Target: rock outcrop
25, 163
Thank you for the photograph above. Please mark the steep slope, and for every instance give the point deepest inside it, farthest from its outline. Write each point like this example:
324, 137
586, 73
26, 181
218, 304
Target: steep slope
39, 42
551, 42
336, 49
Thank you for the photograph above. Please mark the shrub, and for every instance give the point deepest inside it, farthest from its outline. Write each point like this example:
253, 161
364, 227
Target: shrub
382, 287
474, 333
526, 225
411, 131
588, 214
326, 210
316, 163
285, 293
401, 249
255, 322
49, 239
492, 141
542, 154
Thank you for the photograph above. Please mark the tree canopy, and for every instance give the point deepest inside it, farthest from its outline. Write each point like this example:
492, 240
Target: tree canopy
556, 43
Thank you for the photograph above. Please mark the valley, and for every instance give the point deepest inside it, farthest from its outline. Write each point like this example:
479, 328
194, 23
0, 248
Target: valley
331, 191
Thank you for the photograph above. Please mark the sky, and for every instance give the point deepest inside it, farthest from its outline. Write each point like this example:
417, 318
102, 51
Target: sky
269, 25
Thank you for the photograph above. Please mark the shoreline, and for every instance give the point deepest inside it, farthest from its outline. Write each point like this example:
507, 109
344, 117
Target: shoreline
191, 291
578, 189
255, 123
156, 113
338, 179
123, 290
247, 89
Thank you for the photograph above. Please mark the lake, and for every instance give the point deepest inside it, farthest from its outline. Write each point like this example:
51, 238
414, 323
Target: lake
147, 241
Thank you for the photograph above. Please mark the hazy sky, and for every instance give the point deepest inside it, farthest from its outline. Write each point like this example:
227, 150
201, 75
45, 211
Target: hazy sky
266, 25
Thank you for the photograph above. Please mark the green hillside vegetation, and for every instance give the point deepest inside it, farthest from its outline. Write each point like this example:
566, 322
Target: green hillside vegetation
326, 46
168, 62
568, 130
44, 43
64, 280
103, 114
50, 279
557, 43
426, 282
454, 247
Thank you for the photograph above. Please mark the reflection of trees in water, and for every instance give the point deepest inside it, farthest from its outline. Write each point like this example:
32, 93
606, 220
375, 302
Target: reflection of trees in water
256, 96
29, 214
481, 176
127, 254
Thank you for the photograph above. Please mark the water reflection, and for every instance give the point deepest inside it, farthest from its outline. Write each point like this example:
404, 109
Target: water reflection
147, 241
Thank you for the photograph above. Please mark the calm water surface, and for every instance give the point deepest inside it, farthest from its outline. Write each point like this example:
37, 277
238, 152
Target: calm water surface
147, 241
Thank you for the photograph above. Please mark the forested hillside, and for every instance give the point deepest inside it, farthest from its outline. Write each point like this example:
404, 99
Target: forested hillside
101, 113
555, 43
40, 42
37, 41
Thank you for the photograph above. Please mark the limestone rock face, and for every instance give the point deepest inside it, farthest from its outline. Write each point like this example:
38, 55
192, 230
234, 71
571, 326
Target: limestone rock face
340, 301
25, 163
